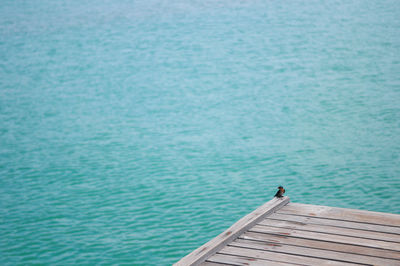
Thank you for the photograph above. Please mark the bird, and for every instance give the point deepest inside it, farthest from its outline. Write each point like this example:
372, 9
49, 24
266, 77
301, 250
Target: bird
279, 193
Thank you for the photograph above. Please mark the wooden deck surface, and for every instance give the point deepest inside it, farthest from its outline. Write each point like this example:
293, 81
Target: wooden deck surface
285, 233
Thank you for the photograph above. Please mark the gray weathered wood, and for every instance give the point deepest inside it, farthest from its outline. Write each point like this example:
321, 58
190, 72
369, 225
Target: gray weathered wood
318, 244
388, 219
205, 251
327, 237
280, 257
333, 222
331, 230
282, 233
235, 260
208, 263
313, 252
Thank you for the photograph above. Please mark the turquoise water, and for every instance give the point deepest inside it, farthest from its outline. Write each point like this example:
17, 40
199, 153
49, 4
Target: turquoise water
135, 131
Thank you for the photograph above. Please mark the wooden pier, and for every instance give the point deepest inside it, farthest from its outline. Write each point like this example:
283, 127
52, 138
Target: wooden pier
284, 233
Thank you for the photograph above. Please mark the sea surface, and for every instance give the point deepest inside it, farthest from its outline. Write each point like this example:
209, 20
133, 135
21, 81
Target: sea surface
132, 132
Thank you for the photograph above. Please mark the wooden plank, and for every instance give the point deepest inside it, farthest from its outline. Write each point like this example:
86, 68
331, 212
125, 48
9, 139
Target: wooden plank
324, 245
331, 230
388, 219
208, 263
280, 257
235, 260
312, 252
333, 222
327, 237
202, 253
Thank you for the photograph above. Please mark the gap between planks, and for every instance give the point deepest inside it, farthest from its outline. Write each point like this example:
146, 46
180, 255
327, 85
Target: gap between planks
323, 245
329, 229
312, 252
243, 260
352, 215
335, 222
280, 257
327, 237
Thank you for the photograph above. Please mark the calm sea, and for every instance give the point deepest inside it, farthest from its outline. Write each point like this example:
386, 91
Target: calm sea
134, 131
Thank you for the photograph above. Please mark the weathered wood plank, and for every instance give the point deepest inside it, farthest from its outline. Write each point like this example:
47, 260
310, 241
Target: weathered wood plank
313, 252
327, 237
388, 219
318, 244
202, 253
208, 263
338, 223
280, 257
304, 234
331, 230
235, 260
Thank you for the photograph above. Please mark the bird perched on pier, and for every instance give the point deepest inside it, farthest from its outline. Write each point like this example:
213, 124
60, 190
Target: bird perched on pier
279, 193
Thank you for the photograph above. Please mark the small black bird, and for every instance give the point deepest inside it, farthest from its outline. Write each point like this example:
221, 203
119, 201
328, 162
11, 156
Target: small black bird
279, 193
